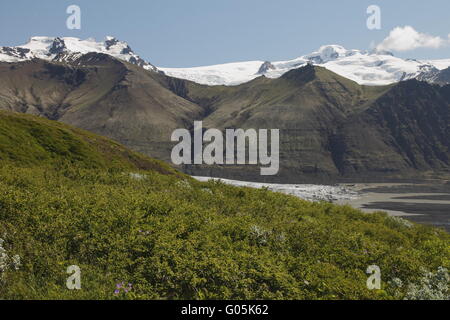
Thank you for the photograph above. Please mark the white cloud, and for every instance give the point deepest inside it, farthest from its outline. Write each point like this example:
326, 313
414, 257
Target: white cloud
407, 38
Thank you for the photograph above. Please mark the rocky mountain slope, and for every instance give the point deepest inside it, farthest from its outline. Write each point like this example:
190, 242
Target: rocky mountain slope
330, 127
101, 94
434, 75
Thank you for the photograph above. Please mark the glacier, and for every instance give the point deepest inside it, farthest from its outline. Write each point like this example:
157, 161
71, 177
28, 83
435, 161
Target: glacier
373, 68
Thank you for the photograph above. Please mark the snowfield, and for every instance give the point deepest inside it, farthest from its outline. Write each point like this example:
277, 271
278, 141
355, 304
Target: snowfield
225, 74
311, 192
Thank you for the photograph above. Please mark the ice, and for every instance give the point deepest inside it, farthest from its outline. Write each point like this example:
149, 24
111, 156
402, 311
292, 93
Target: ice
225, 74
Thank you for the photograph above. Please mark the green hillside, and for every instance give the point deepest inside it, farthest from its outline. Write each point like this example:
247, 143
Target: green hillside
34, 141
68, 197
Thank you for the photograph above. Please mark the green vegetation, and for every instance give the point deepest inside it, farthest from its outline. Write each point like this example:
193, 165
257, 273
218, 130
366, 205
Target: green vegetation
32, 141
72, 198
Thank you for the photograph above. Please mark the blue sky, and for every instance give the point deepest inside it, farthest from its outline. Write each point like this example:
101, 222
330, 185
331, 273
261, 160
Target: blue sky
185, 33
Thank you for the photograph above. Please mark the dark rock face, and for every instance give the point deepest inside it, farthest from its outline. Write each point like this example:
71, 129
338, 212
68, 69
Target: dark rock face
126, 50
139, 62
443, 77
70, 76
266, 66
333, 129
405, 129
58, 46
435, 76
93, 58
15, 51
111, 42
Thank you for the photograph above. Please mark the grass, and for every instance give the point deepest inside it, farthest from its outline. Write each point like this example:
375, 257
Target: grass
33, 141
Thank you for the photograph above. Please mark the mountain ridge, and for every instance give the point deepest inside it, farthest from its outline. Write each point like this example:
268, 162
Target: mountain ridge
331, 128
65, 49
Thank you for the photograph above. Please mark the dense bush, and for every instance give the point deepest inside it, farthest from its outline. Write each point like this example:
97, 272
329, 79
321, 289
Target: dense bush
175, 238
140, 230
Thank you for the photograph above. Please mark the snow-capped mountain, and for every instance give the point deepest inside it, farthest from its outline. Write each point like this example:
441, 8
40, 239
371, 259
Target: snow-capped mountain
368, 68
68, 49
363, 67
436, 76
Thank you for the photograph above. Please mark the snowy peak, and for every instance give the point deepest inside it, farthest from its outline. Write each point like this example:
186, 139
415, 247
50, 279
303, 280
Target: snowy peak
330, 53
365, 68
58, 46
68, 49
